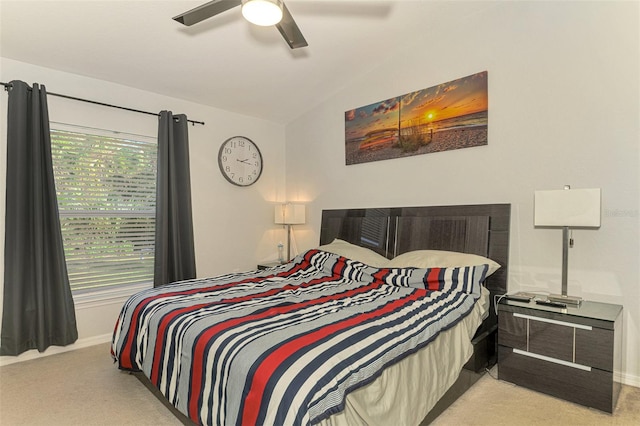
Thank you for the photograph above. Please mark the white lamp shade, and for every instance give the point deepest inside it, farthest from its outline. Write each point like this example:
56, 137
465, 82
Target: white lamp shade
262, 12
289, 214
567, 207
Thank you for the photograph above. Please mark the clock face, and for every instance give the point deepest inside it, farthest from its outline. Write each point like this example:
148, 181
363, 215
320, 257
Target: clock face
240, 161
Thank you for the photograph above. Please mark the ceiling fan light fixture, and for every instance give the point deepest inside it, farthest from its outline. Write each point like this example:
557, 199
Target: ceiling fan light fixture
262, 12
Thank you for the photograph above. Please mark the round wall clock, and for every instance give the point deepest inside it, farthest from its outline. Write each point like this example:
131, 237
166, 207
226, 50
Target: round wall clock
240, 161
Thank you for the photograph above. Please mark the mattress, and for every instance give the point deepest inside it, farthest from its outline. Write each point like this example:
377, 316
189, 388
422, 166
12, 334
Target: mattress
298, 343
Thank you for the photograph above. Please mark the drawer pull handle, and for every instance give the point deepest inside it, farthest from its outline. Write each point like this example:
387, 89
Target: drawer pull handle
566, 324
554, 360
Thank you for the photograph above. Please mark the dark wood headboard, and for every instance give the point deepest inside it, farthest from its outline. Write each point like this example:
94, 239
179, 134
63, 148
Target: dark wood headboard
478, 229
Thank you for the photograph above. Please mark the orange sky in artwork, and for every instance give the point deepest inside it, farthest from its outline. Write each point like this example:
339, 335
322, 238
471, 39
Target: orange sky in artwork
464, 96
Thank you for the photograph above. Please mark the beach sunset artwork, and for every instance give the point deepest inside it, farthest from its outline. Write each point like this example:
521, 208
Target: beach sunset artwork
448, 116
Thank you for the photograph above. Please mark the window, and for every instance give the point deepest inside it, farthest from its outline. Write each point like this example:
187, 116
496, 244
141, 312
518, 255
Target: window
106, 188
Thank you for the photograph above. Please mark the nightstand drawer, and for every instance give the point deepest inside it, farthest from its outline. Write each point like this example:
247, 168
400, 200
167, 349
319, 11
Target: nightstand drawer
561, 340
594, 388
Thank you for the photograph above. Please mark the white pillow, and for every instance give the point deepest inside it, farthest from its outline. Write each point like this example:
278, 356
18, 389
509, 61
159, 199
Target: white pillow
352, 251
435, 258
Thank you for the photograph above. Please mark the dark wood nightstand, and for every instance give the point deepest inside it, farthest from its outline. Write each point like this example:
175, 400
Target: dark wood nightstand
570, 353
267, 265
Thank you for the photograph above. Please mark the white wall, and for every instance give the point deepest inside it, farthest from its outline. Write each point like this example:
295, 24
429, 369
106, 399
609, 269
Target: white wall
564, 108
233, 226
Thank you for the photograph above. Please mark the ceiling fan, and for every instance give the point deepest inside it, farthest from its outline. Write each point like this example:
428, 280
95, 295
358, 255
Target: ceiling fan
259, 12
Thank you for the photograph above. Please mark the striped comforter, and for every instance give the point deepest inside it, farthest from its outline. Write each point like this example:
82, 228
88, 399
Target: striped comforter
285, 345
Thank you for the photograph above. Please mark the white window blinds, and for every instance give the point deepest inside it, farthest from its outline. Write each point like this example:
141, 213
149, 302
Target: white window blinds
106, 188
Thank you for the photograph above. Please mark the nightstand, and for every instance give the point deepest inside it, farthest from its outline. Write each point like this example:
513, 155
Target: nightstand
267, 265
570, 353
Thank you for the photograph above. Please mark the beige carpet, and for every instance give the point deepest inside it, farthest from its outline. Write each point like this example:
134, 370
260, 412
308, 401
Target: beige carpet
84, 387
81, 387
494, 402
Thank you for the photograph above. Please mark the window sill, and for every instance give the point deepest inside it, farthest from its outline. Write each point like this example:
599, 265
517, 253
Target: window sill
102, 297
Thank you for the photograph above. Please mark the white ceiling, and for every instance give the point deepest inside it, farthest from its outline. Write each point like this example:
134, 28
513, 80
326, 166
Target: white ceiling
224, 62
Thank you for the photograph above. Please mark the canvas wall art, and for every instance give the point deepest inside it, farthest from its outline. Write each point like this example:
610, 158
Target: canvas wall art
448, 116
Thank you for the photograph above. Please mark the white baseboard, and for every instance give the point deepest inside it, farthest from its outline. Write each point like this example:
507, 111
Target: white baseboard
628, 379
53, 350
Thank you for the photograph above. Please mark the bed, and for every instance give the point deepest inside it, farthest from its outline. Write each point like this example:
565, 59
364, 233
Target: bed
333, 337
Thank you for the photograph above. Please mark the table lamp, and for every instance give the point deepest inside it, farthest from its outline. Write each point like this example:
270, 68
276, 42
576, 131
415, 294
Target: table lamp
289, 214
567, 208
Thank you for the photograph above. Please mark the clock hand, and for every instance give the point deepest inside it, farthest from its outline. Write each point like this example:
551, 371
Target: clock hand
246, 161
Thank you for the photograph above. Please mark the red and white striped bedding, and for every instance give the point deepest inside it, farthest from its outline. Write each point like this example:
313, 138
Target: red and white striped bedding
285, 345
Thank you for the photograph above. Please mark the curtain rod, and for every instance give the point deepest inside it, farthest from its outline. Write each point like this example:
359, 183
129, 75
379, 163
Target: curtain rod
193, 122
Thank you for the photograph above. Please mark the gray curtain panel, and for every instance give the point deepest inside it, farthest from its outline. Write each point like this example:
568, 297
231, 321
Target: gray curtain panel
38, 309
175, 258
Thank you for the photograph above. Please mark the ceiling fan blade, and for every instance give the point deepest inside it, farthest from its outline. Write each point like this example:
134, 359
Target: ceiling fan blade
206, 10
290, 31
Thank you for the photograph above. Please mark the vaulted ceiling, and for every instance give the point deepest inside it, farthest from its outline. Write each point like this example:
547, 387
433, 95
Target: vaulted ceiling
224, 62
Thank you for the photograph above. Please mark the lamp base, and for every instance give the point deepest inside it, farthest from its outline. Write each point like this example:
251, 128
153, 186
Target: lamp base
569, 300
